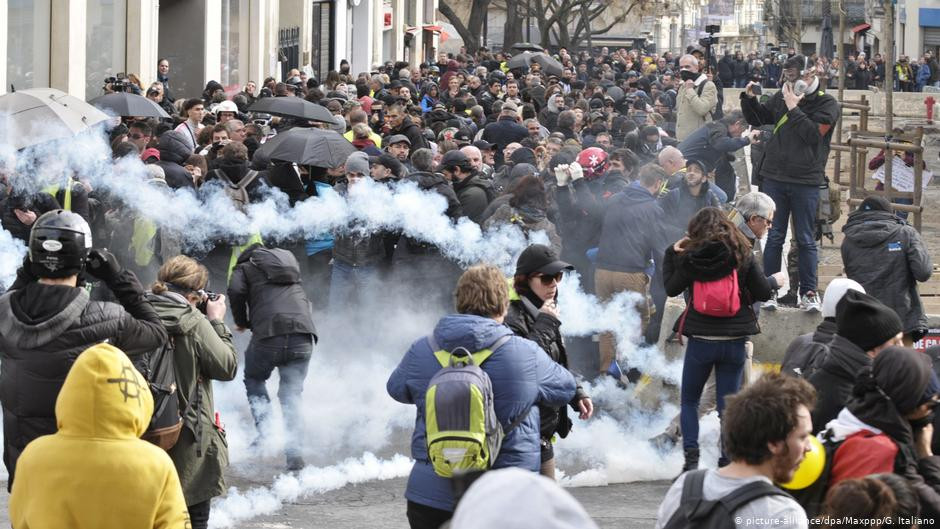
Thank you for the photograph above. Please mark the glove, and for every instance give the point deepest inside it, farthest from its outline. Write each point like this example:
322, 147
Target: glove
102, 265
561, 175
577, 172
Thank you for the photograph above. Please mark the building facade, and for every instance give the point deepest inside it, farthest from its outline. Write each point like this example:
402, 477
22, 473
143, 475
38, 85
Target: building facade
74, 45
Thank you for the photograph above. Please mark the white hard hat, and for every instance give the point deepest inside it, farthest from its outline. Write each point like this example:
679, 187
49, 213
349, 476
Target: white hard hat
226, 106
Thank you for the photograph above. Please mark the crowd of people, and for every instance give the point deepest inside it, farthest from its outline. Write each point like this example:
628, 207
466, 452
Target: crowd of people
625, 161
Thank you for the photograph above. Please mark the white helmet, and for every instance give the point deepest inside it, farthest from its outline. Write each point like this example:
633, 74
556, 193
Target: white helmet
226, 106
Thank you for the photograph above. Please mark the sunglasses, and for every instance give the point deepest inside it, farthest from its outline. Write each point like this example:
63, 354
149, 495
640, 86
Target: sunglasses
548, 280
765, 219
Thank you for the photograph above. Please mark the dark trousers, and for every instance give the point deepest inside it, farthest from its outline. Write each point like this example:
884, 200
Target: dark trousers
199, 515
727, 358
424, 517
290, 354
801, 201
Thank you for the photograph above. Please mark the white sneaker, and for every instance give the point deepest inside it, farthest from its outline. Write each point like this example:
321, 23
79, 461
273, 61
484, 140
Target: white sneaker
770, 304
810, 302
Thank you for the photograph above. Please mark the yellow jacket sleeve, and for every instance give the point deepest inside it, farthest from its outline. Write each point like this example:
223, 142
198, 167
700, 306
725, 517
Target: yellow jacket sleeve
172, 513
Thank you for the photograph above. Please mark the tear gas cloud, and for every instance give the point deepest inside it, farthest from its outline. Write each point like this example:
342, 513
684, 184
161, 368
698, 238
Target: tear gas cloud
346, 409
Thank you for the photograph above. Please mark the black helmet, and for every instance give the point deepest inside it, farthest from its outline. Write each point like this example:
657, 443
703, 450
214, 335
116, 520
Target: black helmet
58, 244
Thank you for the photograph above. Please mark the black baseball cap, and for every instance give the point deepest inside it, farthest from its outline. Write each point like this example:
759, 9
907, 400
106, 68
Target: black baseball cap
541, 259
484, 145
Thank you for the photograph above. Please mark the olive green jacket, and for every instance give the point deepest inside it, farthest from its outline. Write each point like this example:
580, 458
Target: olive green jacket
204, 352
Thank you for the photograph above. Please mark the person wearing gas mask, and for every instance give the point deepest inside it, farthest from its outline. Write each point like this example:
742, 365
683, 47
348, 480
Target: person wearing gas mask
792, 171
697, 98
47, 318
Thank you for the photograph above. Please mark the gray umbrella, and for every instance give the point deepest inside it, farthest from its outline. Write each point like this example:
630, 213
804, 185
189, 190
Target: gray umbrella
292, 106
520, 60
127, 104
38, 115
549, 64
826, 46
316, 147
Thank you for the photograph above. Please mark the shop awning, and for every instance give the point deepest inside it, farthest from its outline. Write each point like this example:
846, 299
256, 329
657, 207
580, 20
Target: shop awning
861, 27
435, 29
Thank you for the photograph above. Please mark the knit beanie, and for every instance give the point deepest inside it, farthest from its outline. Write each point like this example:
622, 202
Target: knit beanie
903, 375
834, 292
865, 321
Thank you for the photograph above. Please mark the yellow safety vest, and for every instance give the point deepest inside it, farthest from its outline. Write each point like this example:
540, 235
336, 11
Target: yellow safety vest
142, 241
238, 250
54, 190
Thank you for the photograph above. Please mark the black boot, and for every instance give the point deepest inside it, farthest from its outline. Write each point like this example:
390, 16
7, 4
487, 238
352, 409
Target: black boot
691, 459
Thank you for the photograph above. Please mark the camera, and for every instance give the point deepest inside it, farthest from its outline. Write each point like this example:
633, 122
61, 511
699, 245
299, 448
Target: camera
117, 84
711, 29
766, 135
209, 296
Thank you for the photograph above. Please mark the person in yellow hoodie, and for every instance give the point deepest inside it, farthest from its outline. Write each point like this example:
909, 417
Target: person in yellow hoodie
96, 472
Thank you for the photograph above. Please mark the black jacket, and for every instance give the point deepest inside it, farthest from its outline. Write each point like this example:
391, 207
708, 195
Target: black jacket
173, 154
525, 320
267, 295
43, 329
235, 170
806, 352
38, 203
798, 150
412, 132
633, 231
503, 132
582, 206
711, 262
834, 379
408, 248
473, 197
887, 257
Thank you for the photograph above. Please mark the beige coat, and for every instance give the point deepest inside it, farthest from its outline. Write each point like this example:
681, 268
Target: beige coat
694, 110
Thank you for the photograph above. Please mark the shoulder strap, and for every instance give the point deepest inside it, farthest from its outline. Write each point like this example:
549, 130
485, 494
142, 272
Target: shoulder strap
747, 493
443, 355
247, 179
224, 177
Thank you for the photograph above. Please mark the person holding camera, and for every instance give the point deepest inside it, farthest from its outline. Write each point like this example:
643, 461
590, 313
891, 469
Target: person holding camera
792, 170
697, 98
267, 296
203, 351
47, 318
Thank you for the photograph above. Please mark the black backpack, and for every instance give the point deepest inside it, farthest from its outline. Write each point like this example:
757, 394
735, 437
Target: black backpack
695, 512
159, 369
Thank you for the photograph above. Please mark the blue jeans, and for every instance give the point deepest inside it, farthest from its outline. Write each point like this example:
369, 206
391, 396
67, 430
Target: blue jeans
727, 358
290, 354
802, 202
349, 283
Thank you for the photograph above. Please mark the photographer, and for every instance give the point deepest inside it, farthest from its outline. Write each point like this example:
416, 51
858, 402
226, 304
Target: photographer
203, 352
47, 319
793, 167
696, 100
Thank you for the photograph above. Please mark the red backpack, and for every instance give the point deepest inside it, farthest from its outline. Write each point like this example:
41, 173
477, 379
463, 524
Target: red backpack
720, 298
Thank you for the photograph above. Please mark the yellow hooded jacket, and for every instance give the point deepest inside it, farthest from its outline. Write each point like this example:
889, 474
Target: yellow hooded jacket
96, 472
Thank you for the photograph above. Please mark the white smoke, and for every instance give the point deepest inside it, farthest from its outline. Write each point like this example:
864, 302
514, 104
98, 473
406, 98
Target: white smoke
238, 506
12, 252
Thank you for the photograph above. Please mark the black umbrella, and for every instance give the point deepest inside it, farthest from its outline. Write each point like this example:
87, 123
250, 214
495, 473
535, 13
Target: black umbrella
127, 104
520, 60
316, 147
527, 46
549, 64
294, 107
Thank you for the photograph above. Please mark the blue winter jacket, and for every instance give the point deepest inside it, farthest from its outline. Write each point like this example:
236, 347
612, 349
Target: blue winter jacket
523, 376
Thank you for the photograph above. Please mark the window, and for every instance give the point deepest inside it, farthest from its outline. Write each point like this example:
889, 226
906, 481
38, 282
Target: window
235, 15
28, 34
105, 44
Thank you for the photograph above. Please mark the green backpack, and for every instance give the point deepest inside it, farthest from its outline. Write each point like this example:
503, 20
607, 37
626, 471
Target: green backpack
462, 431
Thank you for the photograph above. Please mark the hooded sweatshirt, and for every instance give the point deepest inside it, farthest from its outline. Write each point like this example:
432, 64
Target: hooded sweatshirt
96, 472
